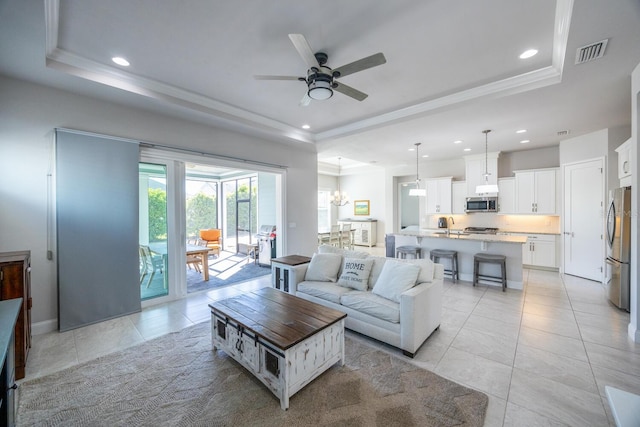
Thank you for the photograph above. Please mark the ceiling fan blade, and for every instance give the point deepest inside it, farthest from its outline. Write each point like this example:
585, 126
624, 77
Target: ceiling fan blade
349, 91
278, 78
361, 64
302, 46
305, 101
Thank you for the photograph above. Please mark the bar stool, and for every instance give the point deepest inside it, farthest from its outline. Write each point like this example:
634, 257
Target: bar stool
403, 251
490, 259
436, 254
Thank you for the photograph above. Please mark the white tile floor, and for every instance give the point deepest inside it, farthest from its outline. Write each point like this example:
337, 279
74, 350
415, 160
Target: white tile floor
543, 355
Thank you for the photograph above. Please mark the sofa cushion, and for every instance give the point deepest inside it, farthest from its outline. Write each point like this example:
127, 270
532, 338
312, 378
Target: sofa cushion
373, 305
323, 268
324, 290
347, 253
426, 268
355, 273
378, 263
395, 278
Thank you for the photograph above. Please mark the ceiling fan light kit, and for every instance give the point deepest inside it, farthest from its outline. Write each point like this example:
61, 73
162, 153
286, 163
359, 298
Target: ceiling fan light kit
486, 187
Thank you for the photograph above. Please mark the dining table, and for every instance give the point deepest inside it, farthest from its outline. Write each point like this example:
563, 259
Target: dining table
201, 252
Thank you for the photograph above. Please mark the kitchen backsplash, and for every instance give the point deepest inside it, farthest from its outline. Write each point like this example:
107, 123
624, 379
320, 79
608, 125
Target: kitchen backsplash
516, 223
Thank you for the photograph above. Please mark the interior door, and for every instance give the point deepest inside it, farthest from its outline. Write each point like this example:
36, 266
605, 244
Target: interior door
583, 219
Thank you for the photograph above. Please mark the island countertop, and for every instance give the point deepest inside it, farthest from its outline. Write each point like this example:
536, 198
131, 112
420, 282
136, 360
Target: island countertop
461, 235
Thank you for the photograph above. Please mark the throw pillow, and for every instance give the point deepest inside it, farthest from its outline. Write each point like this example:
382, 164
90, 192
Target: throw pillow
323, 268
355, 273
395, 278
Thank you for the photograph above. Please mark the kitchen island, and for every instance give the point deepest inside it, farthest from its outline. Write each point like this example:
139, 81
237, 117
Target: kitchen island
467, 245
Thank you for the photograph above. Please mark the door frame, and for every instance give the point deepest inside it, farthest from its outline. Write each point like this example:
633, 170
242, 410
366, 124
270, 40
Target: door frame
604, 182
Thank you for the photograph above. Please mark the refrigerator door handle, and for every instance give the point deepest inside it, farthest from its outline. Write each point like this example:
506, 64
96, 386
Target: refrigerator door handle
611, 223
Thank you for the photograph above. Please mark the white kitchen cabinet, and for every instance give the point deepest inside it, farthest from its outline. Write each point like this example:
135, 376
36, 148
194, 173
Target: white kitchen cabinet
536, 191
438, 195
540, 251
475, 169
506, 196
458, 197
624, 163
365, 231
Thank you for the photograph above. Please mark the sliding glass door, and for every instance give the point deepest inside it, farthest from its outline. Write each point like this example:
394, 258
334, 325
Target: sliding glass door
153, 234
240, 212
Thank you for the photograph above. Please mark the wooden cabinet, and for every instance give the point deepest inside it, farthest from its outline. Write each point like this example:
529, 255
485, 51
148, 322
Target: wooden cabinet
15, 282
624, 163
536, 191
475, 170
506, 196
283, 272
8, 316
365, 231
540, 251
438, 195
458, 197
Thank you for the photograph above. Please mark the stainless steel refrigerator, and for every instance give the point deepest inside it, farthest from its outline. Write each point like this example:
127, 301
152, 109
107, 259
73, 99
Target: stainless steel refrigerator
619, 246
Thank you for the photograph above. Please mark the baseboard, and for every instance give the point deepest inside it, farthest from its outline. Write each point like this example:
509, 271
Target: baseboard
40, 328
634, 333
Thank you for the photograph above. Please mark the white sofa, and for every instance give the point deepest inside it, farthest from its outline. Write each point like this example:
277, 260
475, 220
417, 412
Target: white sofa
401, 318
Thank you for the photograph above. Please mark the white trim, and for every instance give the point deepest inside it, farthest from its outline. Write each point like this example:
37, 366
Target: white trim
44, 327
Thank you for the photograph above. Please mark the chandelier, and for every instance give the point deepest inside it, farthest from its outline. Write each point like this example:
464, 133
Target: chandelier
486, 187
417, 191
339, 198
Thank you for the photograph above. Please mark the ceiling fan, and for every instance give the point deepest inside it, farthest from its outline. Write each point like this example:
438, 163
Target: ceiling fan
321, 80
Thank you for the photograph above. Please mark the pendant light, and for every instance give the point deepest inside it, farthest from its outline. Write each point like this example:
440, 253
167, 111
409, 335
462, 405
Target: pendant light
486, 188
339, 198
417, 191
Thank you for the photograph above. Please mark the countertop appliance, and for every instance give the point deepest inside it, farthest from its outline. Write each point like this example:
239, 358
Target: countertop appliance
619, 246
442, 222
480, 230
266, 244
481, 204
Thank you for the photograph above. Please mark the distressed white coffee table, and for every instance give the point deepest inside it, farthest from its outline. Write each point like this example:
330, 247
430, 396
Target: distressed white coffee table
283, 340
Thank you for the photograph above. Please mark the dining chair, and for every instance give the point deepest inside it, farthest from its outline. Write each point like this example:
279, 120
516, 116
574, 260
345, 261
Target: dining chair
149, 264
195, 262
334, 235
213, 239
345, 236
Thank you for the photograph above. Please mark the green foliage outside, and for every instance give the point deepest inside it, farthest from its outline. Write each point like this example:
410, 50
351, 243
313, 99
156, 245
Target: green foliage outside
243, 217
201, 213
157, 215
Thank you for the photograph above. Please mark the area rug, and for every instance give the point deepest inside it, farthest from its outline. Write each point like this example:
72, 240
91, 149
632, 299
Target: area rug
177, 380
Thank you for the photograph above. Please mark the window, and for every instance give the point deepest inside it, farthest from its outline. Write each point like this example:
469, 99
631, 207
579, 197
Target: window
324, 209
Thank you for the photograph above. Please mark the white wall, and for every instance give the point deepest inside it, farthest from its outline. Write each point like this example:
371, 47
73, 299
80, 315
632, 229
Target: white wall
634, 324
527, 159
366, 186
28, 115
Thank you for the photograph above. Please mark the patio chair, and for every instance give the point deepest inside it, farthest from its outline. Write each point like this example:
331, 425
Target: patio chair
149, 264
213, 239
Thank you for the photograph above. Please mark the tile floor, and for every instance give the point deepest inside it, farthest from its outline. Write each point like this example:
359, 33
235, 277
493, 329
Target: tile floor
543, 355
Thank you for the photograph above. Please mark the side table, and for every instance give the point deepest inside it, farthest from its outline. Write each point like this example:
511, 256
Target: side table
283, 271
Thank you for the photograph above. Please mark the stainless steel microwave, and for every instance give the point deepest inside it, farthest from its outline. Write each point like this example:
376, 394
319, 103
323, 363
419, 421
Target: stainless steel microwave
481, 204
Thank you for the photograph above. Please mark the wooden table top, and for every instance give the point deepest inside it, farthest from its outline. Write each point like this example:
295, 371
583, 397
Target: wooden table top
282, 319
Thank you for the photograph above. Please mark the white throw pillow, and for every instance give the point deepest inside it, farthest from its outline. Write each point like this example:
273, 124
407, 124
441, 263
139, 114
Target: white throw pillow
323, 268
355, 273
395, 278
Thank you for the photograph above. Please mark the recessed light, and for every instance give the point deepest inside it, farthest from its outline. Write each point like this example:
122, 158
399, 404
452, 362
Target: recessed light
457, 142
306, 127
412, 149
528, 53
521, 131
120, 61
524, 141
425, 155
467, 149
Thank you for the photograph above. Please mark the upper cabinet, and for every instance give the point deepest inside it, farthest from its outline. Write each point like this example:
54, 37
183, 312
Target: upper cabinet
458, 197
507, 196
536, 191
439, 195
624, 163
475, 170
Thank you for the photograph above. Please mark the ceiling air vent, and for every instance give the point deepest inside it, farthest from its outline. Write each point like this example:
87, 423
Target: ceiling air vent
591, 52
563, 132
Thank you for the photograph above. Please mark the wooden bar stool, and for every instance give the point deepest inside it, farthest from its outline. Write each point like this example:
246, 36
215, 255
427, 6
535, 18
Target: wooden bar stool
436, 254
403, 251
490, 259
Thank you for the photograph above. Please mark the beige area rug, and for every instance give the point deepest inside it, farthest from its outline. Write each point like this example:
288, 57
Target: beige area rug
177, 380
